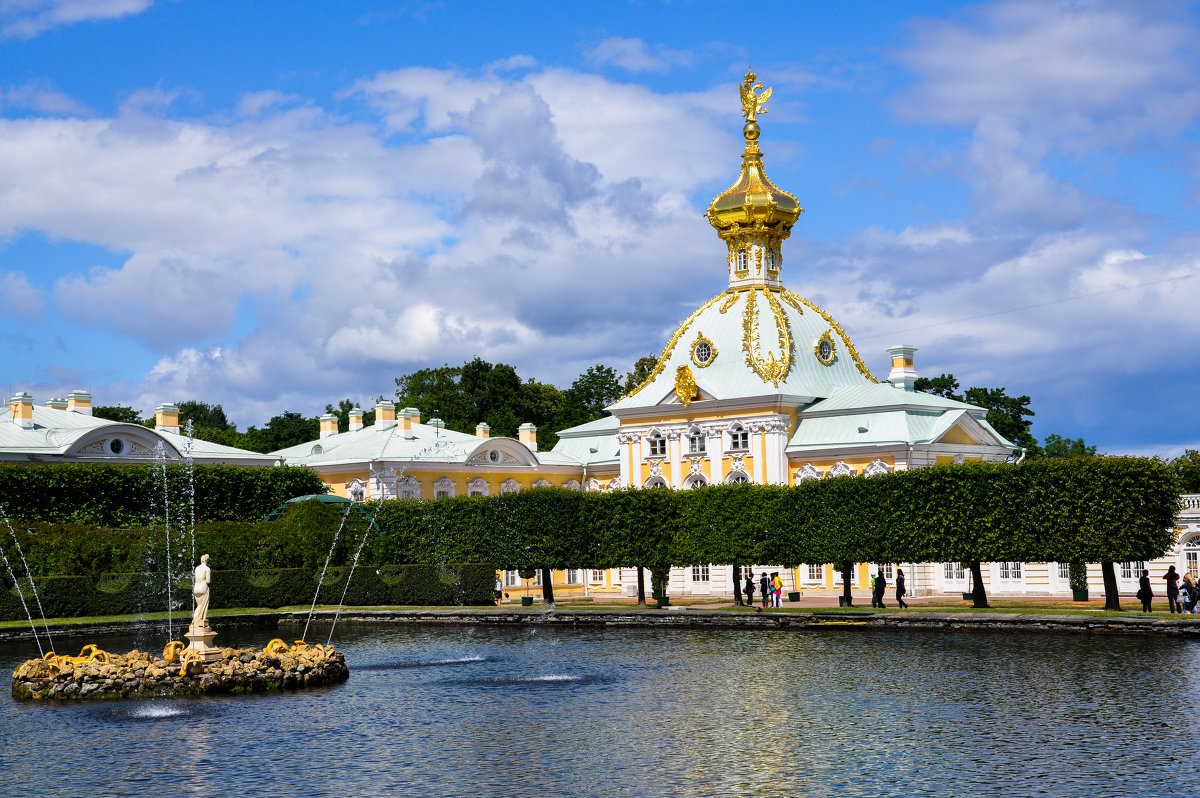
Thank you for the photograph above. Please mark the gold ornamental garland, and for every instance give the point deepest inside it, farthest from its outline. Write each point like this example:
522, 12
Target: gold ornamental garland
769, 369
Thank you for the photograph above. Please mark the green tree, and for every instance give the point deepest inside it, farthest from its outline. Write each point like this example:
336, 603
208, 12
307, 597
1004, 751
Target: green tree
641, 372
1059, 447
126, 415
1187, 470
286, 429
1008, 415
203, 416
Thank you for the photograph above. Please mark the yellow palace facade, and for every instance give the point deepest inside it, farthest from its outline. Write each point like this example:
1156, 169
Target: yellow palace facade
757, 385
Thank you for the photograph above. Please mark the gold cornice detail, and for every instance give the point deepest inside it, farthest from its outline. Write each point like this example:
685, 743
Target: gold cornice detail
770, 369
685, 385
730, 300
841, 334
670, 347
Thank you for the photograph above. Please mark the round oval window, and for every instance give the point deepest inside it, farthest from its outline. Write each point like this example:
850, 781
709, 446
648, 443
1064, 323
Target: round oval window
826, 350
116, 446
703, 352
494, 456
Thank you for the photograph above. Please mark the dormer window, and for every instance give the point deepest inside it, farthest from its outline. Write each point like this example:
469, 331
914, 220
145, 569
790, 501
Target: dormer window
658, 445
739, 438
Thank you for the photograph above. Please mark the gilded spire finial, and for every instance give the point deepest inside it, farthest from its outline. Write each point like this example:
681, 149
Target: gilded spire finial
753, 104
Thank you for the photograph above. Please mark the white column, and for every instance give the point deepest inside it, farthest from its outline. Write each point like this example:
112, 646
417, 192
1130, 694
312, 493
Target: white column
775, 432
756, 448
714, 444
673, 451
629, 448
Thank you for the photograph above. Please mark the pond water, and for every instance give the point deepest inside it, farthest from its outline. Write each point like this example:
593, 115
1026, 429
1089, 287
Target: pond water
571, 712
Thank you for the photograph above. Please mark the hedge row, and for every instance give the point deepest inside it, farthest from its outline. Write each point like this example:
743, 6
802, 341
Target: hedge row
1090, 510
126, 495
136, 593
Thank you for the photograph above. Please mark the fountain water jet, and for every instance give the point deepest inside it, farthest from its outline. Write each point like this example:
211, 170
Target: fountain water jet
378, 478
325, 568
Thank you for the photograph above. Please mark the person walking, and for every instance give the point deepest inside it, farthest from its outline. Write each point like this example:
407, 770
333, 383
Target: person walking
764, 583
1173, 591
901, 592
874, 595
1145, 593
776, 590
880, 588
749, 588
499, 591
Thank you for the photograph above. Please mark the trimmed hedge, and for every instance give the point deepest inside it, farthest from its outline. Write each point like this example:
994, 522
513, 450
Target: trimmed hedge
1099, 509
136, 593
125, 495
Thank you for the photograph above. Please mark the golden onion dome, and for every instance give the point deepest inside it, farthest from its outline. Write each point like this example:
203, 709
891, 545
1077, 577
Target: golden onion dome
753, 201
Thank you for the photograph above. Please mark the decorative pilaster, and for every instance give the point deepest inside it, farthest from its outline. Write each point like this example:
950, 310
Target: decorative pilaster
674, 449
714, 446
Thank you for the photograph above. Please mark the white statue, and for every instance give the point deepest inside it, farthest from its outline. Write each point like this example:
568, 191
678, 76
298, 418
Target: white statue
200, 583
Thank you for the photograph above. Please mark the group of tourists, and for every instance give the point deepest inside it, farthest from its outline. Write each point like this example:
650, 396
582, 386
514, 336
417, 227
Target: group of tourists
879, 584
1182, 594
769, 587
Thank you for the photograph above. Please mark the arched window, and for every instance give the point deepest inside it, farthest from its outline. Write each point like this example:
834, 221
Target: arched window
1191, 556
695, 438
876, 468
657, 444
509, 486
737, 478
443, 488
655, 482
695, 481
409, 488
356, 490
841, 469
807, 472
477, 487
592, 485
739, 437
572, 484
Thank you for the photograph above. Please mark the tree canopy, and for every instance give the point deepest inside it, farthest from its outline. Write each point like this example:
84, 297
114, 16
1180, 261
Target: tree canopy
1187, 471
126, 415
493, 393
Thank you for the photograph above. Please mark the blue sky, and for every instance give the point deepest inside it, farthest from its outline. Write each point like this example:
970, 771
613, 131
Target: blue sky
277, 205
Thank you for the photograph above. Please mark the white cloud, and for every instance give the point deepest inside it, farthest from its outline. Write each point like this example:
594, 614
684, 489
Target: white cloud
27, 18
279, 255
42, 99
19, 299
635, 55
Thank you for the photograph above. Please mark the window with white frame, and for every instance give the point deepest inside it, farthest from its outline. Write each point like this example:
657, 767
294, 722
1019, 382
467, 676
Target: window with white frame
743, 260
1132, 569
955, 572
658, 445
816, 573
737, 478
1191, 556
409, 488
596, 576
512, 579
695, 441
695, 481
739, 438
1010, 570
700, 573
887, 571
574, 576
357, 491
1064, 571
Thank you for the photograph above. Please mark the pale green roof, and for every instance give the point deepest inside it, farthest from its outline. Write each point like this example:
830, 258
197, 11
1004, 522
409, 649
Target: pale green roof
66, 435
592, 443
429, 444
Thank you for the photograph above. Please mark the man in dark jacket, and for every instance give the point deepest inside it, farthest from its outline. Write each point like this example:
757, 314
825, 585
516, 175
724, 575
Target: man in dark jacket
765, 584
901, 592
880, 587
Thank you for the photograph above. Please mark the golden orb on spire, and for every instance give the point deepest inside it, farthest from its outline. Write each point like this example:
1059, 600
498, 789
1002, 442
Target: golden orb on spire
753, 202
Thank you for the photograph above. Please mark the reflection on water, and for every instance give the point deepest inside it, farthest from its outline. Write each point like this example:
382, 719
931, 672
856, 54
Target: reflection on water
567, 712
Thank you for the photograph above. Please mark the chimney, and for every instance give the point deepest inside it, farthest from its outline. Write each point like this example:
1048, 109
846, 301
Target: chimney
356, 419
903, 375
437, 424
57, 404
385, 414
80, 402
482, 430
527, 434
166, 418
21, 410
329, 423
406, 424
414, 414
